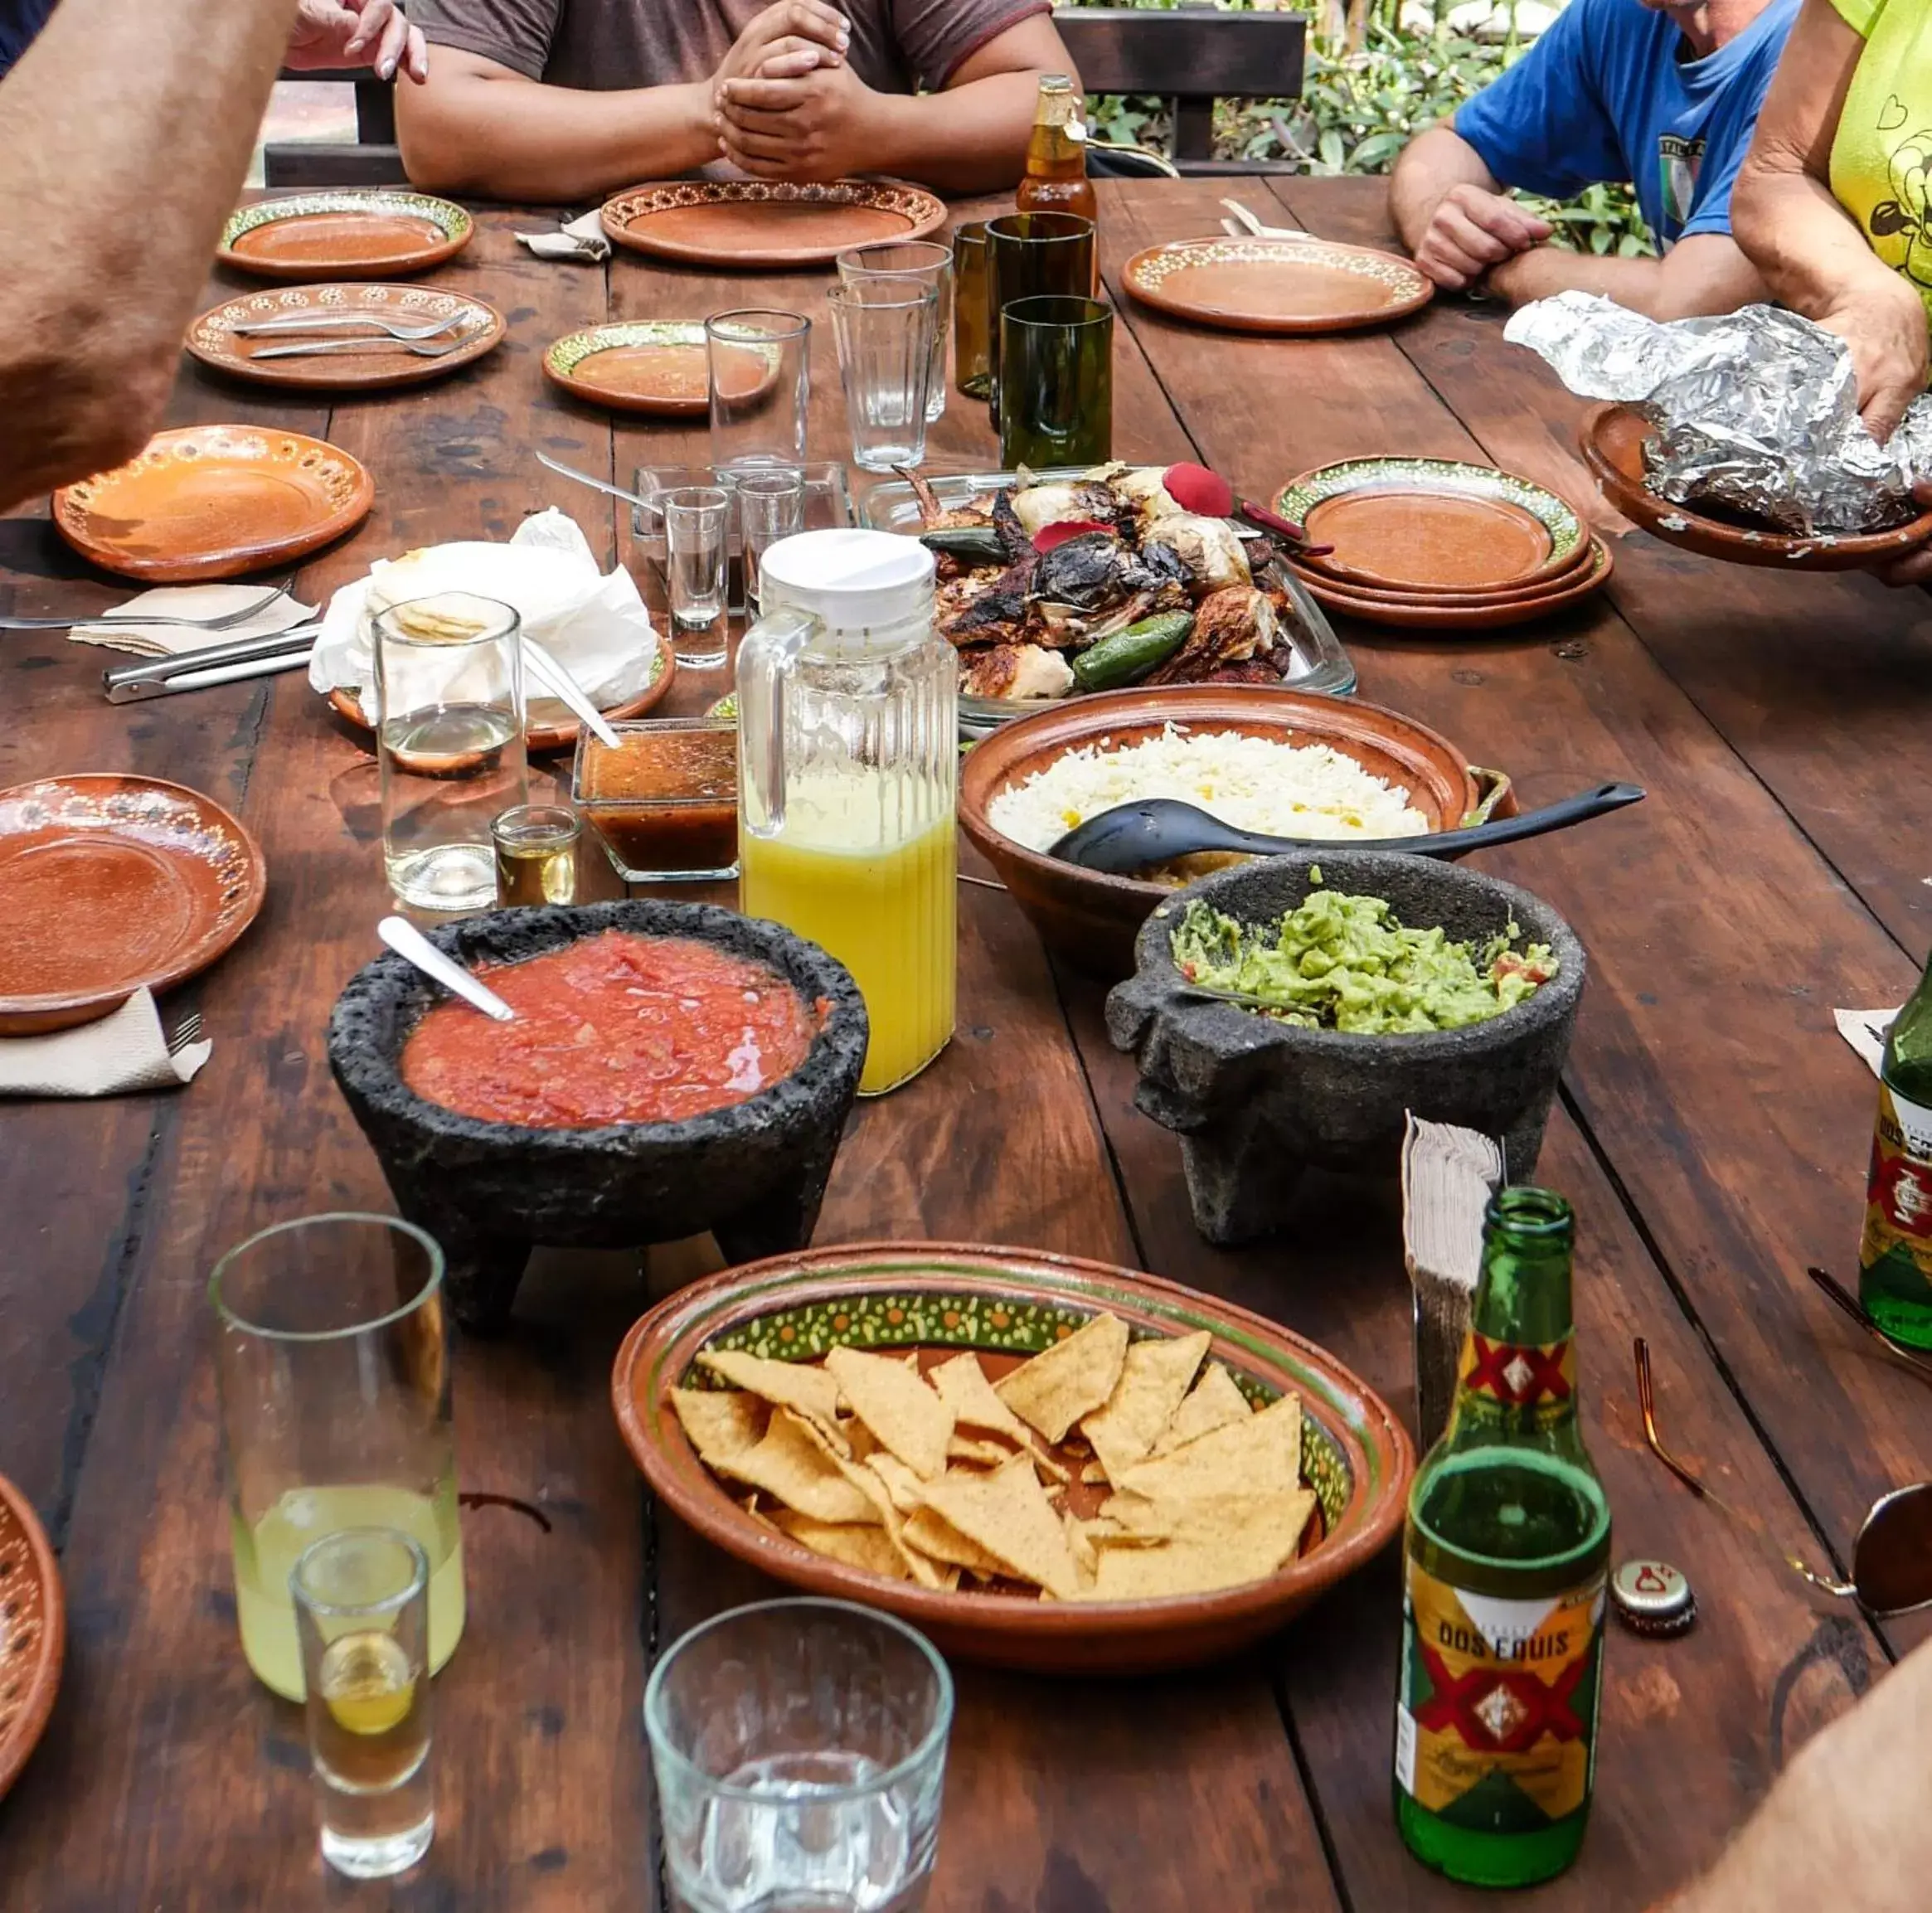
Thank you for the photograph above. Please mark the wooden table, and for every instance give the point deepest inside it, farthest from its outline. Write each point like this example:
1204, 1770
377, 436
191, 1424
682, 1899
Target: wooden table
1713, 1134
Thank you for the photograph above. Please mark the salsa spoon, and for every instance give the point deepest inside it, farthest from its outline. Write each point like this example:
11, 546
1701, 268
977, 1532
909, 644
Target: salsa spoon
409, 943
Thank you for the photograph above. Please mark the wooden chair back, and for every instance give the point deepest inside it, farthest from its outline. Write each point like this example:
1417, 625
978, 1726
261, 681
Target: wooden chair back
372, 159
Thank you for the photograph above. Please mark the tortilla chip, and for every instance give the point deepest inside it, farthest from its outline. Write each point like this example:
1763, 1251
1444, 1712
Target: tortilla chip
896, 1405
1215, 1402
862, 1443
1242, 1538
784, 1384
869, 1548
1072, 1378
1047, 1467
1155, 1376
963, 1388
1094, 1475
982, 1454
935, 1537
866, 1479
1260, 1455
794, 1463
901, 1484
720, 1422
1007, 1515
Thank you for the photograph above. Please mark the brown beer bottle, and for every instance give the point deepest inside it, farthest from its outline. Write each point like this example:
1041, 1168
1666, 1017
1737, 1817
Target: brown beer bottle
1055, 179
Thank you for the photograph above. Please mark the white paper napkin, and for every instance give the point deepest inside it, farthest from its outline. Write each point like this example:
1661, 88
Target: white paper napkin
583, 240
594, 624
121, 1052
124, 630
1865, 1032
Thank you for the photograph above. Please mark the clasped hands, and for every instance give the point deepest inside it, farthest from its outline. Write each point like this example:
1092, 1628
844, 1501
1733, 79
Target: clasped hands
784, 103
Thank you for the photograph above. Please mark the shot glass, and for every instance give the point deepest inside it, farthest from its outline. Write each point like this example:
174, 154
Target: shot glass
363, 1608
771, 506
760, 369
800, 1751
1057, 383
930, 263
972, 371
536, 855
1030, 255
697, 523
884, 327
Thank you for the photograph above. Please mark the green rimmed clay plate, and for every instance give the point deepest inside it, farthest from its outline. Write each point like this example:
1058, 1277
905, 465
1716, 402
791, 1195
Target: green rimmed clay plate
651, 365
1006, 1304
350, 236
1434, 525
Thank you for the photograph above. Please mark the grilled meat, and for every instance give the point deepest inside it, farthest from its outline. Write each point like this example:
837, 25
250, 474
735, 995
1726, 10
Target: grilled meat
996, 611
1014, 671
1012, 533
1037, 506
1209, 549
934, 516
1231, 626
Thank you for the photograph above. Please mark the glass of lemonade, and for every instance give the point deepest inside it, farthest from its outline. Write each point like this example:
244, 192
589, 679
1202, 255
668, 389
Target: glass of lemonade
333, 1356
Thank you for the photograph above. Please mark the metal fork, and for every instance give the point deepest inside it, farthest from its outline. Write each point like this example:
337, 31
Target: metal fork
341, 322
187, 1031
226, 621
1250, 227
317, 347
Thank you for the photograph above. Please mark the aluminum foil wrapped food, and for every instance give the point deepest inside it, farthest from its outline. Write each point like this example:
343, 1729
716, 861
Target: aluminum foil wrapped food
1756, 412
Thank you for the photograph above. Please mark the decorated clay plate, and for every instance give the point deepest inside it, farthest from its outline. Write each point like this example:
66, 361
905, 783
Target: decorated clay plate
1433, 525
1276, 285
1006, 1304
756, 222
108, 885
651, 365
358, 234
214, 502
470, 329
33, 1631
1469, 613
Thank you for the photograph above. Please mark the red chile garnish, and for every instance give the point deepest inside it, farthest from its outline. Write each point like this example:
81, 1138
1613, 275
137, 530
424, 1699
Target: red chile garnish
1048, 535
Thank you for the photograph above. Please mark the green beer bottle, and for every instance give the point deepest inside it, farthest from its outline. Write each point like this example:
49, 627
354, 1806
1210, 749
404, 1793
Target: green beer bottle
1503, 1580
1895, 1254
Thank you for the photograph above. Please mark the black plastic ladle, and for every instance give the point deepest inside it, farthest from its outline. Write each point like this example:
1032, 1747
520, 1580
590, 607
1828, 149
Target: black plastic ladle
1132, 837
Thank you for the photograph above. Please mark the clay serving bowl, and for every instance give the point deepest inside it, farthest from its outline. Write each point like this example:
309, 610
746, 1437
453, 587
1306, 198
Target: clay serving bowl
1255, 1100
1091, 919
1005, 1304
1612, 438
752, 1173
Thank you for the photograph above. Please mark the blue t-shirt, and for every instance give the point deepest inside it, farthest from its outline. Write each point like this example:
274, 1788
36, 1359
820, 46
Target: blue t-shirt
1604, 95
20, 21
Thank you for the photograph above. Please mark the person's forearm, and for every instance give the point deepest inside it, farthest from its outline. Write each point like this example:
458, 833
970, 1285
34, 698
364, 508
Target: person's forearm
145, 115
1811, 253
1430, 166
1704, 274
971, 138
512, 138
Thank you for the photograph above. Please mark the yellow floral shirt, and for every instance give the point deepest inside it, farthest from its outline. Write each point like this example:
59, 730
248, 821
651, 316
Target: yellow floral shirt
1882, 159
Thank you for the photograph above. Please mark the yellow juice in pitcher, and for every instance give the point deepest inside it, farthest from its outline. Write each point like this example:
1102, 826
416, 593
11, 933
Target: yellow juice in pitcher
885, 910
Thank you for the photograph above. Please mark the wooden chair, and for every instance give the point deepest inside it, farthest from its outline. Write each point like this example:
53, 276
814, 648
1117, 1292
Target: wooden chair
372, 160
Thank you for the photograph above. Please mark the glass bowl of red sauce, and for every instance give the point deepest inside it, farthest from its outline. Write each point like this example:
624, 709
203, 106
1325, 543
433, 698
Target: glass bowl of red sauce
672, 1069
664, 804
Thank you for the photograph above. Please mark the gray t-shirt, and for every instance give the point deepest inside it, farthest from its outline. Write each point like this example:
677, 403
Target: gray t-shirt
605, 45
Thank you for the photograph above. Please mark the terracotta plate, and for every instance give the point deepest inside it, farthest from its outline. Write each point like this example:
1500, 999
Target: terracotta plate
1005, 1304
1467, 612
363, 234
214, 502
473, 328
1613, 437
1433, 525
1276, 285
756, 222
650, 365
33, 1631
108, 884
548, 724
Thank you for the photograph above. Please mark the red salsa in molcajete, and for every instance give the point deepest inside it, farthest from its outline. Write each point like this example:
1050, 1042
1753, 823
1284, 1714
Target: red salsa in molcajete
616, 1028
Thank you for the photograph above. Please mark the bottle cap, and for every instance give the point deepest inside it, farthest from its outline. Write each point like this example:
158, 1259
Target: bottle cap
855, 580
1652, 1598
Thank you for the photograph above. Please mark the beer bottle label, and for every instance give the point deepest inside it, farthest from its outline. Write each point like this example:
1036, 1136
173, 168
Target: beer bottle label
1542, 1378
1898, 1197
1496, 1720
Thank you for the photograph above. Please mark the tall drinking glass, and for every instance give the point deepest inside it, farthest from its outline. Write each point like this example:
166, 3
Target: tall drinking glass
931, 264
884, 325
449, 740
1033, 256
800, 1754
1057, 383
971, 371
771, 506
332, 1359
697, 528
759, 366
362, 1610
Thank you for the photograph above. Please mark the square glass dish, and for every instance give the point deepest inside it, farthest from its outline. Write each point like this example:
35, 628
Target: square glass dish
664, 804
827, 507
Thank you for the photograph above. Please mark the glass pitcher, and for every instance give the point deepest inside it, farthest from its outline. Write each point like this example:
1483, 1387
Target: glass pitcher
848, 779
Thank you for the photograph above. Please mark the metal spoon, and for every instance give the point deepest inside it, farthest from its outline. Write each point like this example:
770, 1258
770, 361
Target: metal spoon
565, 471
562, 686
408, 942
1155, 830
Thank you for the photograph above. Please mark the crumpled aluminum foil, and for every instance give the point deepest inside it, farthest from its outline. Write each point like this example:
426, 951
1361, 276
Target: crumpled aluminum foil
1756, 410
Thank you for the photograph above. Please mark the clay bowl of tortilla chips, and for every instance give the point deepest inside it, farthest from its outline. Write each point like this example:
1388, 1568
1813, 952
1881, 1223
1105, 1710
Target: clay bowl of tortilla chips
1045, 1463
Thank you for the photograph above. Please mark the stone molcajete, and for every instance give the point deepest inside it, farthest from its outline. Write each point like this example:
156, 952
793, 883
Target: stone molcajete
1255, 1101
754, 1173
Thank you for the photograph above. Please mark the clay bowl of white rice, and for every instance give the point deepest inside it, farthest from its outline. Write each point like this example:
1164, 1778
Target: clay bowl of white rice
1286, 763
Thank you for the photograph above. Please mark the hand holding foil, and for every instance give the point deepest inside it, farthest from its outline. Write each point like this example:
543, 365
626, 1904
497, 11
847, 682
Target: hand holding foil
1756, 410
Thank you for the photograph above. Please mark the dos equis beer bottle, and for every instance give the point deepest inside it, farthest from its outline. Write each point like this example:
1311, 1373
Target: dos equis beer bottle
1508, 1538
1895, 1254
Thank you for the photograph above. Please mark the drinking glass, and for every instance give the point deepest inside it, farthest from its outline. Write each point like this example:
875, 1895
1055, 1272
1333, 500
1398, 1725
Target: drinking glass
697, 523
1057, 383
771, 506
1032, 255
449, 739
884, 325
800, 1751
759, 366
536, 855
972, 372
332, 1361
362, 1609
931, 264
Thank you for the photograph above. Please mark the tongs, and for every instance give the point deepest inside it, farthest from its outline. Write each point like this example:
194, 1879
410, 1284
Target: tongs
200, 670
